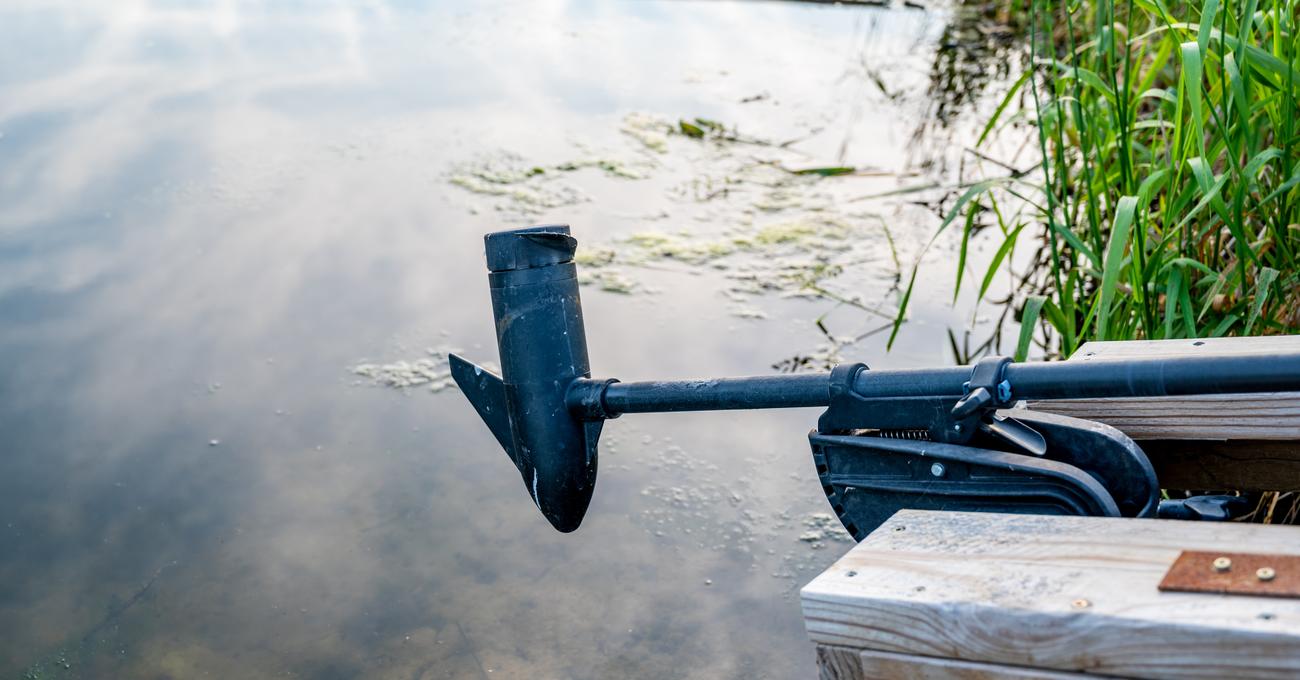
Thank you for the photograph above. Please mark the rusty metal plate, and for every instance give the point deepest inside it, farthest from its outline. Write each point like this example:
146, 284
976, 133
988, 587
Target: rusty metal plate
1235, 573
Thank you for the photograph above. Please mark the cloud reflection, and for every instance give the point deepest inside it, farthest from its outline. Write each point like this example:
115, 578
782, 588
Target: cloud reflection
211, 210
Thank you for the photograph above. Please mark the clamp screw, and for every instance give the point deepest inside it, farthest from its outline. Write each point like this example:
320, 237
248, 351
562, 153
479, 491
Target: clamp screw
1222, 564
1265, 573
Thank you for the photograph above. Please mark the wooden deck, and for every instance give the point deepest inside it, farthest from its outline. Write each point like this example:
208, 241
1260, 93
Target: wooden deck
977, 595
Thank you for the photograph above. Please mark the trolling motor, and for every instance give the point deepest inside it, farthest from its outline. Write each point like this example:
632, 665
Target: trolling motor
937, 439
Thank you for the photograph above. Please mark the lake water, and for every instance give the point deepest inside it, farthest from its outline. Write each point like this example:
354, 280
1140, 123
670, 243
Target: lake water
226, 230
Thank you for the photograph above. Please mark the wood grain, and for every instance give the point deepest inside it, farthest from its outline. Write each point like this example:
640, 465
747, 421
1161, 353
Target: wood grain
1070, 594
1101, 350
1241, 465
843, 663
1257, 416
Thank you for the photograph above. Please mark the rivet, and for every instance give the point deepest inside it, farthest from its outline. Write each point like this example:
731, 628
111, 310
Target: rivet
1081, 604
1222, 564
937, 469
1265, 573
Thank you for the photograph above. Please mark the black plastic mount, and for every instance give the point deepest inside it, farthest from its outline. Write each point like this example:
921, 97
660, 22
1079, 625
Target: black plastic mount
947, 416
1088, 469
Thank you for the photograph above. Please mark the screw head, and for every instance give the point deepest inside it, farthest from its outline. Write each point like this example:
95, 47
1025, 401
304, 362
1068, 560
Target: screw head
938, 470
956, 428
1265, 573
1222, 564
1081, 604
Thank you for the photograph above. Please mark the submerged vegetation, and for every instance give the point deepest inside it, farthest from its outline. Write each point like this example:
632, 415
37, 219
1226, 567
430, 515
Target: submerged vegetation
1168, 196
752, 211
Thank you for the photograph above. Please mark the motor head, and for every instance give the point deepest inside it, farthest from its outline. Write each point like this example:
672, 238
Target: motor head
543, 350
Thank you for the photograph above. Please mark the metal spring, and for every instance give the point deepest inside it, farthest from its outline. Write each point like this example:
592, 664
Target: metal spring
915, 435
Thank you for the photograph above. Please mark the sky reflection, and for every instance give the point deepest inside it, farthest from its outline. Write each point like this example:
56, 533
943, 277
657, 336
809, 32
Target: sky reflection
212, 210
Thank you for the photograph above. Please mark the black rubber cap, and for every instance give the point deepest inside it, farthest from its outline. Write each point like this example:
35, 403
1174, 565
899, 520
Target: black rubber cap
529, 247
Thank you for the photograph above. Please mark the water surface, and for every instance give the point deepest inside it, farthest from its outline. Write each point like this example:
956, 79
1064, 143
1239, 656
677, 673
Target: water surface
212, 212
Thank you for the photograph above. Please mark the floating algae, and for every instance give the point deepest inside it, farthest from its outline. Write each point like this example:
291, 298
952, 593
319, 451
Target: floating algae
789, 258
610, 167
644, 247
610, 280
594, 256
748, 313
431, 370
527, 189
653, 132
694, 502
526, 200
650, 131
822, 527
769, 230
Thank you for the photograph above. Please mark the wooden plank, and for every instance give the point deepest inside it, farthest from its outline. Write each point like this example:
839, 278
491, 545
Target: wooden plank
843, 663
1243, 465
1257, 415
1101, 350
1073, 594
1269, 416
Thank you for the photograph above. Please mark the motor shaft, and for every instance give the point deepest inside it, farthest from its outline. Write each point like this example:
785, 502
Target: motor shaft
1155, 377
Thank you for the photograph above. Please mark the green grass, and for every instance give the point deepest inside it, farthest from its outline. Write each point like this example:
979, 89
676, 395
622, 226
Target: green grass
1168, 198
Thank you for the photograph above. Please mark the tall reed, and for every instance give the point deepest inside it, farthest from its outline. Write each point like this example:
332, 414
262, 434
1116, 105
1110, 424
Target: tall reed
1168, 199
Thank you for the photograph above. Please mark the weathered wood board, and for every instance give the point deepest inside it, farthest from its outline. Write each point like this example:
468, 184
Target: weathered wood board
843, 663
1009, 594
1248, 442
1259, 416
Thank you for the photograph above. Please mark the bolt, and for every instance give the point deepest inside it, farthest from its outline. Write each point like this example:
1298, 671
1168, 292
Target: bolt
1081, 604
1265, 573
1222, 564
937, 469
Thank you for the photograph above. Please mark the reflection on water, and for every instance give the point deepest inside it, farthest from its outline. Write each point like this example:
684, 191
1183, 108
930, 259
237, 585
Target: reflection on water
211, 213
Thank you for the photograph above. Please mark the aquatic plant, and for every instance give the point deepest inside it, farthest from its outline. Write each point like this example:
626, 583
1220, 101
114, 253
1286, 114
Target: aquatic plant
1168, 197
